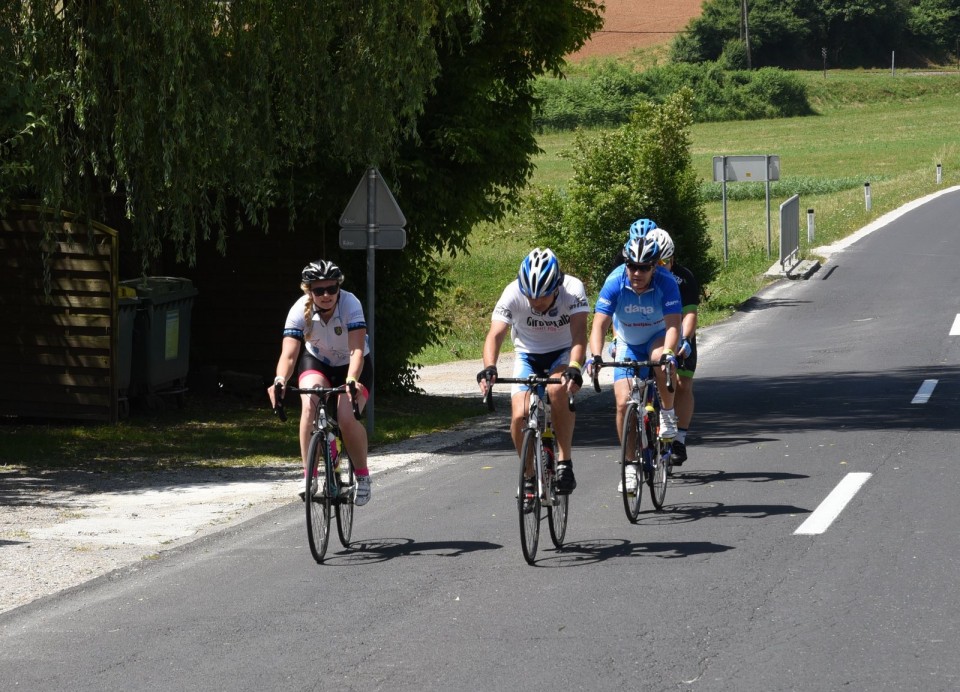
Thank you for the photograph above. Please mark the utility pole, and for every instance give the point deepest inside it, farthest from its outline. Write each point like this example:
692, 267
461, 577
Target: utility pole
745, 30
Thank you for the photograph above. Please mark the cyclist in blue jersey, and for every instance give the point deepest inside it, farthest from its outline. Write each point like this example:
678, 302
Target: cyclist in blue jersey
644, 301
545, 312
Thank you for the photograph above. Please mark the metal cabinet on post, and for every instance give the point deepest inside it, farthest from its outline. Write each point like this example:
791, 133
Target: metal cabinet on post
161, 336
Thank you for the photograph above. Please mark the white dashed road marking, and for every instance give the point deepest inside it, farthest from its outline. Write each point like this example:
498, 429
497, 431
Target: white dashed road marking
833, 504
925, 392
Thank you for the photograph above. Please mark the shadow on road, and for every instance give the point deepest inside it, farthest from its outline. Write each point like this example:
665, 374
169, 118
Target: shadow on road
382, 549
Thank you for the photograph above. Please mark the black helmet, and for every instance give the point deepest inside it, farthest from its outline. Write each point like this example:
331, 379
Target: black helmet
321, 270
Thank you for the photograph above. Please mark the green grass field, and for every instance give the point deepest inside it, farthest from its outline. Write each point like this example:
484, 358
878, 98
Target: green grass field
870, 126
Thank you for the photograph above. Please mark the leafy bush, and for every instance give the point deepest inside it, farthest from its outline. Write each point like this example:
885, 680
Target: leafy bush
642, 169
606, 94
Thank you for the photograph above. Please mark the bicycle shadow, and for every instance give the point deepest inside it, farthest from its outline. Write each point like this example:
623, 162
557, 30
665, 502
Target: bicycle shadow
684, 513
383, 549
592, 551
684, 478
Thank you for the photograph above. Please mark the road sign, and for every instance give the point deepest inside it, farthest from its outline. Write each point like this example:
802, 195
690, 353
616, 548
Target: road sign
385, 238
387, 210
758, 169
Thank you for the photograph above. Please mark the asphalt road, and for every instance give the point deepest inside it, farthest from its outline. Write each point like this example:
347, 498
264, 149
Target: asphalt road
811, 382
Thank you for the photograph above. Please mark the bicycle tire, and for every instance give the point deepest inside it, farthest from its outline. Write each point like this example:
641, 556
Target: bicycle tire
347, 490
659, 458
558, 511
631, 451
318, 506
529, 519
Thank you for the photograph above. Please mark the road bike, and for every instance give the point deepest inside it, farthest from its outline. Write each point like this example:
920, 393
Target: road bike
537, 484
644, 456
330, 482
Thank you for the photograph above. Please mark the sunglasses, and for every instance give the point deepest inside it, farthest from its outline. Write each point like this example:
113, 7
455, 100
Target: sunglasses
639, 267
325, 290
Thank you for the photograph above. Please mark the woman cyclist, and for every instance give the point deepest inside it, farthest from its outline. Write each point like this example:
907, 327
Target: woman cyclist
329, 323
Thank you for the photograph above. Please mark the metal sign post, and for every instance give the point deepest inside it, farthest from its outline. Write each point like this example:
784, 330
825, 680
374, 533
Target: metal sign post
750, 169
372, 219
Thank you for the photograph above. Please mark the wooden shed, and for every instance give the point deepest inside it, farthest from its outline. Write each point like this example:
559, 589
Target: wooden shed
60, 318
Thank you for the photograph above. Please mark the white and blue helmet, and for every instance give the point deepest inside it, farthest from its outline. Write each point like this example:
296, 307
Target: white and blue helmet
640, 228
642, 250
539, 273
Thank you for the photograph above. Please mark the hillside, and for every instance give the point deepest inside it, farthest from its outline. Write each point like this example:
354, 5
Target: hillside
630, 24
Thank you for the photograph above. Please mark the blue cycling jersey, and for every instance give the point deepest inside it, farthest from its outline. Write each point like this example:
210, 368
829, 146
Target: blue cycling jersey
639, 317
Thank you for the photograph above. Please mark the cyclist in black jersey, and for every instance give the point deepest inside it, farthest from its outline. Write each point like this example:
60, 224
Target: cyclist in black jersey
687, 351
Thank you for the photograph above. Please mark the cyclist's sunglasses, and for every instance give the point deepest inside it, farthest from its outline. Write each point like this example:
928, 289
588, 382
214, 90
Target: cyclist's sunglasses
639, 267
325, 290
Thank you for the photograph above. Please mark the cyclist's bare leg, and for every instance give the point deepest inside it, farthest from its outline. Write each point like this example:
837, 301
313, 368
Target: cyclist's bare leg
518, 422
308, 412
683, 401
666, 398
354, 434
621, 389
563, 419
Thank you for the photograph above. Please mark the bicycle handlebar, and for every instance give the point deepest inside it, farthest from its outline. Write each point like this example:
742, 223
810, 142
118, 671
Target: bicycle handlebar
531, 380
633, 365
325, 392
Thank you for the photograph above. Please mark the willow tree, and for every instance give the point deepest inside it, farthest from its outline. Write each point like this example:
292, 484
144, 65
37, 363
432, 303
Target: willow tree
185, 119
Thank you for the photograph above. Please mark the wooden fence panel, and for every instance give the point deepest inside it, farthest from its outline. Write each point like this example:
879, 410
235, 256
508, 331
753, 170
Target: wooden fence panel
59, 310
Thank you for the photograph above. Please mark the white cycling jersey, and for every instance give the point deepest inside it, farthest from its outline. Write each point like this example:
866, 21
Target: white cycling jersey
534, 332
328, 342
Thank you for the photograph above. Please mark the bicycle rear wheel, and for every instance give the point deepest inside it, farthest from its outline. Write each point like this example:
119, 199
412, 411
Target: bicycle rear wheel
319, 505
557, 511
347, 487
659, 453
631, 462
528, 505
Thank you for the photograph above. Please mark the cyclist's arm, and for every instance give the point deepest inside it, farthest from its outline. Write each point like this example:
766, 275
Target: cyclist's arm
601, 323
289, 352
689, 325
578, 332
672, 340
491, 347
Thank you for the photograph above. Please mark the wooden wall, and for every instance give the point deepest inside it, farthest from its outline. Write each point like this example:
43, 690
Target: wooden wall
59, 323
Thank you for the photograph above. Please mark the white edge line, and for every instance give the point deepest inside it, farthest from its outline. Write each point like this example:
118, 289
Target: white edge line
955, 329
925, 392
833, 504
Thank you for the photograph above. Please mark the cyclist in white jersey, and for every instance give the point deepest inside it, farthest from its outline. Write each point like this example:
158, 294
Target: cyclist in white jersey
329, 324
546, 312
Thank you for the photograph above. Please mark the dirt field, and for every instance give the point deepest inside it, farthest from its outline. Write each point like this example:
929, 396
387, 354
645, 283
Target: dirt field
632, 24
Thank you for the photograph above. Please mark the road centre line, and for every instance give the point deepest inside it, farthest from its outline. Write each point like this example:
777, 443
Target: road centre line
833, 504
925, 392
955, 329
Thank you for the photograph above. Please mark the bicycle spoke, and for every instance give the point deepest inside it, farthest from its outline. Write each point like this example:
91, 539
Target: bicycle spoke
528, 503
347, 487
318, 507
631, 460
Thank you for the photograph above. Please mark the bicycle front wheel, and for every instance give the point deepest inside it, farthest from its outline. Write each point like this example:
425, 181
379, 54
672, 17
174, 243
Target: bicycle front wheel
528, 503
347, 487
659, 453
631, 463
318, 506
557, 511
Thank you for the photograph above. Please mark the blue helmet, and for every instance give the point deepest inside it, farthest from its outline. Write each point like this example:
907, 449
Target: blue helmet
642, 250
640, 228
539, 273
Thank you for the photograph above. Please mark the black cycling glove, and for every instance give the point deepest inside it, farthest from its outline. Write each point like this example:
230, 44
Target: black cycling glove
574, 374
487, 373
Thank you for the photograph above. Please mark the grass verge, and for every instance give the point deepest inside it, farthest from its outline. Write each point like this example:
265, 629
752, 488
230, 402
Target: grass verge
217, 431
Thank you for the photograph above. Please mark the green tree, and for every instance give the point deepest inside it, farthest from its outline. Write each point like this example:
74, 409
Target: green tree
189, 121
642, 169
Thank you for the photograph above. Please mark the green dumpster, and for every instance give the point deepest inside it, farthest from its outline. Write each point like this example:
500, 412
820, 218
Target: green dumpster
161, 335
